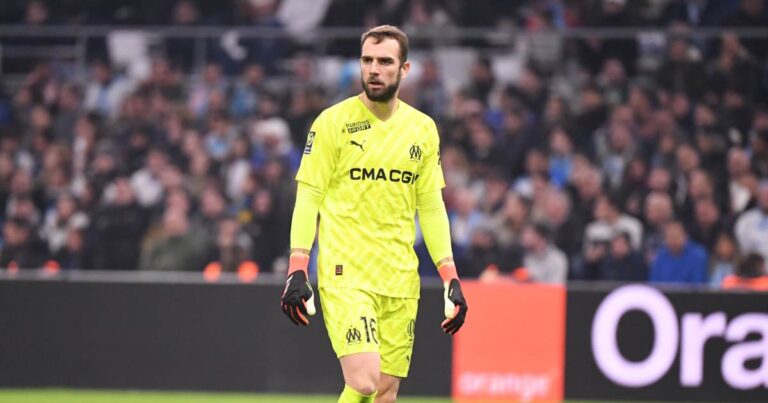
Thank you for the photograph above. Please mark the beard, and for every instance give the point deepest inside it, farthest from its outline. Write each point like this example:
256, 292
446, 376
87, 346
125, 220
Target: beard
384, 94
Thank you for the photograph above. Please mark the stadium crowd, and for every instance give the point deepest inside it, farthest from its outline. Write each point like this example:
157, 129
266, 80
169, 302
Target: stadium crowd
601, 160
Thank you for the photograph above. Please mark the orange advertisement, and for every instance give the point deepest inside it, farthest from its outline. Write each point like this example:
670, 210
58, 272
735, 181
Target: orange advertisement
512, 347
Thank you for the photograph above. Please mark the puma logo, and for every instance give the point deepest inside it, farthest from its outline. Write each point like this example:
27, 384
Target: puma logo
355, 143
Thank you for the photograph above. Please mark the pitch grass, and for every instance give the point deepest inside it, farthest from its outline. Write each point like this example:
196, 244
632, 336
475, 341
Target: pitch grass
94, 396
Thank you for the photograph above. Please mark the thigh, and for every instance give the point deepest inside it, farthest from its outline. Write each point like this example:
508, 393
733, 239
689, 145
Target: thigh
350, 317
396, 329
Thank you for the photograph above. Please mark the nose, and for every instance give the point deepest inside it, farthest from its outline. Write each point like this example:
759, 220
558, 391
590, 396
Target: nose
375, 68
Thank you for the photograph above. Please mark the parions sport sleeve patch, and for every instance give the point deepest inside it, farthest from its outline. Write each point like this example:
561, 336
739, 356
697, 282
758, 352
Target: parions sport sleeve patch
310, 141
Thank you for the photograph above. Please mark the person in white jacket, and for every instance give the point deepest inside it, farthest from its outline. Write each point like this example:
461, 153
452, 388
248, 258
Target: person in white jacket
752, 226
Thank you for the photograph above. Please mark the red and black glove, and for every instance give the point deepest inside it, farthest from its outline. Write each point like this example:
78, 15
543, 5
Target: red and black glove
455, 304
298, 300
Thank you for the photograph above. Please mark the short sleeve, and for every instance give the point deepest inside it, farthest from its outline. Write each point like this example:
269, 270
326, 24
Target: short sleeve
431, 170
319, 156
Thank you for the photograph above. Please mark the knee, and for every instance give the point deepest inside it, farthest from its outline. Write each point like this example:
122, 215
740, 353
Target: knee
364, 383
387, 395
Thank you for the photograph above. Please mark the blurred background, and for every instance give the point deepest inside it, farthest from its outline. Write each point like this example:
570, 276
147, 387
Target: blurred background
584, 143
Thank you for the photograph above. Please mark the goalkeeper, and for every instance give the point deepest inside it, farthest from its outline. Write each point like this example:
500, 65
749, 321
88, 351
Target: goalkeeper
370, 163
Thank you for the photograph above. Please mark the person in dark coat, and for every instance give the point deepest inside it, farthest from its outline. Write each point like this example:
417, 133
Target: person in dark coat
622, 262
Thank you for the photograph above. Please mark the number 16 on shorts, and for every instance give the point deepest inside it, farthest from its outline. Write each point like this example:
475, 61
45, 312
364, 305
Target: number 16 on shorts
363, 331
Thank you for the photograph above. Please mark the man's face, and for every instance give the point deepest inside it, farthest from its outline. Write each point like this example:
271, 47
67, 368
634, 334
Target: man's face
675, 237
531, 240
381, 69
619, 246
762, 197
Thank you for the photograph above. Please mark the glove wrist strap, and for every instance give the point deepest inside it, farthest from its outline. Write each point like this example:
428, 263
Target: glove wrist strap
298, 261
447, 272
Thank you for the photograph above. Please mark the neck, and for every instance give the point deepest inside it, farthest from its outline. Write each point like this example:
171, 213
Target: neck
382, 110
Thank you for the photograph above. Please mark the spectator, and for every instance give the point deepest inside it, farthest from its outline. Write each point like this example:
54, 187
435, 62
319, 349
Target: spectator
465, 219
509, 223
264, 227
622, 263
482, 254
21, 248
181, 51
612, 13
618, 151
707, 224
681, 71
750, 275
530, 90
614, 82
68, 108
484, 155
146, 183
587, 187
735, 68
608, 220
556, 212
679, 260
592, 115
699, 187
73, 255
272, 140
232, 246
561, 157
740, 180
117, 229
517, 139
266, 51
106, 91
238, 168
751, 13
178, 249
430, 92
544, 262
62, 220
634, 186
213, 208
751, 229
247, 91
220, 136
724, 258
202, 92
482, 80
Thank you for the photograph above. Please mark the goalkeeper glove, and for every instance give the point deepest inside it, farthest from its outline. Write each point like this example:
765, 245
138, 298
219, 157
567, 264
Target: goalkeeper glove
455, 304
298, 300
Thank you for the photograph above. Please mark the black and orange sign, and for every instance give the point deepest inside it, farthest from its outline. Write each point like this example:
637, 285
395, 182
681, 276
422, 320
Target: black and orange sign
512, 346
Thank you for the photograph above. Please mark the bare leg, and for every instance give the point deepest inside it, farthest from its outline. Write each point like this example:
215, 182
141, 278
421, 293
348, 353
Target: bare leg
361, 371
387, 388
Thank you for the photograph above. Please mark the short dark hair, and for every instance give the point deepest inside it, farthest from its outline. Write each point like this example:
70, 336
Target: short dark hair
382, 32
543, 229
751, 266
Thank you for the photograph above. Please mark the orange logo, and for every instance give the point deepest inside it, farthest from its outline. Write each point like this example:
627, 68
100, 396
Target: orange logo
512, 347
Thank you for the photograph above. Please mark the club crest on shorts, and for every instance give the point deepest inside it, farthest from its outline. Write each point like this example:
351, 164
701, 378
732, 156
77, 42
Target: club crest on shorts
353, 335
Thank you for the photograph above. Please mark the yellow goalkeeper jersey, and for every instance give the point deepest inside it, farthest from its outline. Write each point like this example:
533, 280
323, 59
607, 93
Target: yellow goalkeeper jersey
371, 172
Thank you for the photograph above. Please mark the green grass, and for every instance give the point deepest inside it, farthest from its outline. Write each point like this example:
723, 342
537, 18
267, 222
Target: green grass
92, 396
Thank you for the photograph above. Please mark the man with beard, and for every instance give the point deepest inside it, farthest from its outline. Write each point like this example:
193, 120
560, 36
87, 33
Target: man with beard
369, 164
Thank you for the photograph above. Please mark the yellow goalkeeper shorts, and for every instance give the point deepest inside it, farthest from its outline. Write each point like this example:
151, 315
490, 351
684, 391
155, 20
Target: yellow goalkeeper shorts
362, 321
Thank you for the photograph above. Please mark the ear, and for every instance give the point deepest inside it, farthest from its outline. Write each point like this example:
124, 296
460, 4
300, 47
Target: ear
405, 68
